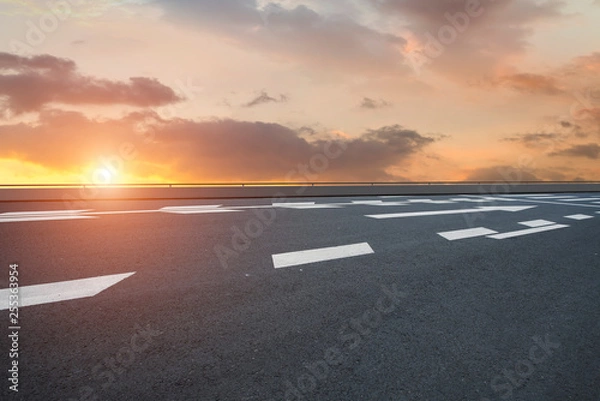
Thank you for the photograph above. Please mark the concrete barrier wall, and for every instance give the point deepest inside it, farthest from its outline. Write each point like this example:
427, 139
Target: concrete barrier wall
76, 195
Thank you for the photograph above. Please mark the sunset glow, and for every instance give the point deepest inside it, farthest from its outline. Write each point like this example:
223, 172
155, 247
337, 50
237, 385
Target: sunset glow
131, 91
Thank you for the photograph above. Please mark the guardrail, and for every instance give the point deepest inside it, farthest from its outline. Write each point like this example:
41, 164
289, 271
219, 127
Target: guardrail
292, 183
76, 195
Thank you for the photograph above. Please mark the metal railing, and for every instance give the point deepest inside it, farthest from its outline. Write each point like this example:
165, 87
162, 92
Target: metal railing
294, 183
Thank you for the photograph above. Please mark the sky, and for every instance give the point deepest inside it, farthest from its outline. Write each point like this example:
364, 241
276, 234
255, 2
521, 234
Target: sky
181, 91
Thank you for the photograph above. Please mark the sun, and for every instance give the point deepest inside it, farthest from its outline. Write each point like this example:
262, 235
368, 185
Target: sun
104, 176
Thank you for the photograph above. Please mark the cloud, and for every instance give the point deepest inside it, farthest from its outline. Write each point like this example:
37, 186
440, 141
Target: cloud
264, 97
589, 151
215, 150
531, 83
502, 174
461, 42
372, 104
299, 34
537, 139
29, 83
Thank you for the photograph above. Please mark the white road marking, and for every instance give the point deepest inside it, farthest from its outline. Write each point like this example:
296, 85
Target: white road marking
552, 197
579, 217
537, 223
306, 205
320, 255
43, 218
429, 201
51, 215
200, 209
583, 200
472, 200
468, 233
116, 212
495, 199
367, 202
562, 203
528, 231
482, 209
61, 291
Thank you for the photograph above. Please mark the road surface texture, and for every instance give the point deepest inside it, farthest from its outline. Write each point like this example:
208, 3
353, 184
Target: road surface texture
380, 298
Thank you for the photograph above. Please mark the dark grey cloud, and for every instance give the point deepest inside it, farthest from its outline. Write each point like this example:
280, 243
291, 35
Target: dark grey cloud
588, 150
535, 139
264, 97
30, 83
372, 104
215, 150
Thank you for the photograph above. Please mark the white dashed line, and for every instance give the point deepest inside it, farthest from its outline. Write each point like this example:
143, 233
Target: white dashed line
537, 223
468, 233
320, 255
61, 291
579, 217
528, 231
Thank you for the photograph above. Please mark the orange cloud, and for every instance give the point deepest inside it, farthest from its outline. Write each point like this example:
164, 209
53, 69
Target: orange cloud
29, 83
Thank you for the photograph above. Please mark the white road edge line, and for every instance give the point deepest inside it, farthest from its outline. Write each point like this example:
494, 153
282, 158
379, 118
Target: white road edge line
61, 291
320, 255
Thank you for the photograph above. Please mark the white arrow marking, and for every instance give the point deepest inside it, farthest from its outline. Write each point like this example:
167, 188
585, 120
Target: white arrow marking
483, 209
61, 291
320, 255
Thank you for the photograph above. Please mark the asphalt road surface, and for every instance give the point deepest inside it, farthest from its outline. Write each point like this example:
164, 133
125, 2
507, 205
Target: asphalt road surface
400, 299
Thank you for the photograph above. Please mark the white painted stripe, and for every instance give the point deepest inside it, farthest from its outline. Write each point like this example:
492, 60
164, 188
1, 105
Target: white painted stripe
193, 207
117, 212
45, 213
199, 209
537, 223
482, 209
367, 202
291, 204
10, 219
432, 202
579, 217
392, 204
528, 231
468, 233
320, 255
472, 200
61, 291
552, 197
582, 200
